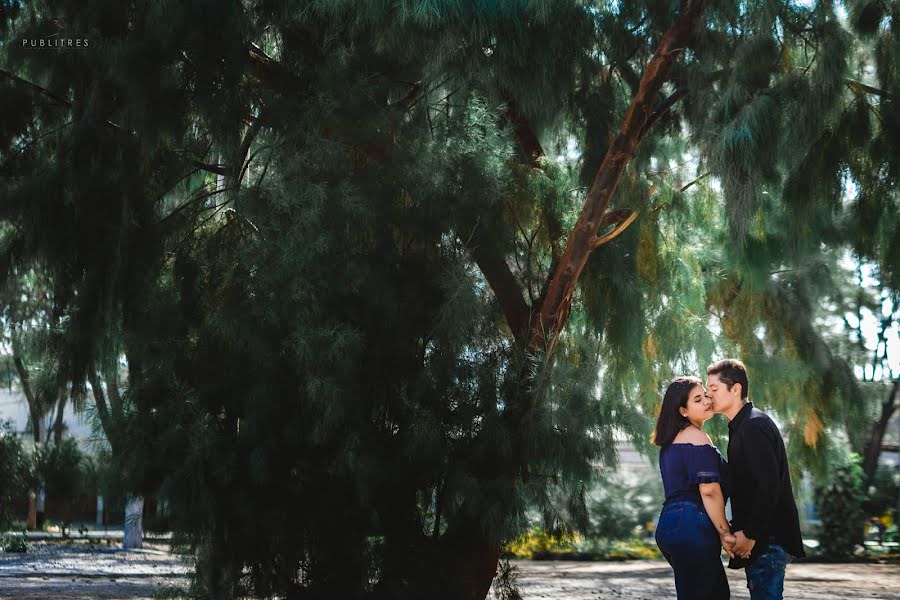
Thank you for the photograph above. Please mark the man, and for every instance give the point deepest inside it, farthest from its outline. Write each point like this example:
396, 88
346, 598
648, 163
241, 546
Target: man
764, 517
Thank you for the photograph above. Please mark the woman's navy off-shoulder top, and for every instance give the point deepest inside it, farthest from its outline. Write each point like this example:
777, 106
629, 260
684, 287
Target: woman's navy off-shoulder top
685, 466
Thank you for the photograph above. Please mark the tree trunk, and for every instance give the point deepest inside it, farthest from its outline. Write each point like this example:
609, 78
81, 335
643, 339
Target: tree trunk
475, 557
555, 307
31, 519
100, 521
35, 518
41, 514
58, 422
873, 446
134, 523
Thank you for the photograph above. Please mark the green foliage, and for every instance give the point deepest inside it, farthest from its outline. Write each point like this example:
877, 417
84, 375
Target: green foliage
538, 544
285, 222
16, 473
18, 545
883, 496
506, 583
840, 504
621, 507
100, 475
59, 468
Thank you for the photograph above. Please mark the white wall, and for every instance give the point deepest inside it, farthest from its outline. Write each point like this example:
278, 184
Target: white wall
14, 408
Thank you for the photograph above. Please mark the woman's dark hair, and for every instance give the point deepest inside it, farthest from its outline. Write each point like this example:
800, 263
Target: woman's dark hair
670, 420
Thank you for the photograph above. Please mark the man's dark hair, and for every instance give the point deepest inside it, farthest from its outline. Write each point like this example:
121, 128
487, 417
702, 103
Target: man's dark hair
730, 372
670, 420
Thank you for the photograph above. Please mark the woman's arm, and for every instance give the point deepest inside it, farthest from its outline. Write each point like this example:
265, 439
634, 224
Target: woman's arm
714, 503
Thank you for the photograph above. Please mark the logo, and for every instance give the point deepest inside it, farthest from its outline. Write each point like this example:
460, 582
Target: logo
54, 41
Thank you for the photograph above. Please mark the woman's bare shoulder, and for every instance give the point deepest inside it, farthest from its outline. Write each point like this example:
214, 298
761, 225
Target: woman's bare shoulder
692, 435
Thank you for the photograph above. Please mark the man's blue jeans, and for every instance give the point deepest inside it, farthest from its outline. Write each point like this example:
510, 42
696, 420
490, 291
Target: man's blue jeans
765, 575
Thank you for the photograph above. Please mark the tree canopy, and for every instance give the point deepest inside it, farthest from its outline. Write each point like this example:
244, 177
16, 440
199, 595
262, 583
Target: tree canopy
385, 274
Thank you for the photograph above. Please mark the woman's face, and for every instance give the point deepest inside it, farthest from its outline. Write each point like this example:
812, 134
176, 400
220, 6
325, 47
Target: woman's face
699, 407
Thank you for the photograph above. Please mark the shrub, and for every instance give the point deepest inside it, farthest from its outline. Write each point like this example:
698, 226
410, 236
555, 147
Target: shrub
59, 469
15, 473
622, 506
537, 544
17, 545
538, 541
840, 502
882, 495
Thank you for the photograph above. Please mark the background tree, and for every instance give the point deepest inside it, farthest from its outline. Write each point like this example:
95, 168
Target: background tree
16, 474
32, 325
386, 275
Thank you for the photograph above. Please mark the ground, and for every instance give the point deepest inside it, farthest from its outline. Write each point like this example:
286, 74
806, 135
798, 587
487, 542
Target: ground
652, 580
99, 571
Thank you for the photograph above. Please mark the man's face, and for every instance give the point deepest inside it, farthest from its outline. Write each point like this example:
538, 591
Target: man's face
722, 398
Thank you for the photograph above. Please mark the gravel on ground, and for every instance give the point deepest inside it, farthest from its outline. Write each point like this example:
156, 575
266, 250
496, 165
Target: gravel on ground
82, 571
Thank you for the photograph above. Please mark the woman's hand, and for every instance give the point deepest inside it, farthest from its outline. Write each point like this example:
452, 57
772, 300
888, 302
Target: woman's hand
728, 541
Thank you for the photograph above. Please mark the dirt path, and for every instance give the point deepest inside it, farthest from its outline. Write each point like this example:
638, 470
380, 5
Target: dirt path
82, 572
652, 580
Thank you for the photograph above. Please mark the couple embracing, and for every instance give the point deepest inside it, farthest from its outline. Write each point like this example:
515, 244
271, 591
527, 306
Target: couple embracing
764, 533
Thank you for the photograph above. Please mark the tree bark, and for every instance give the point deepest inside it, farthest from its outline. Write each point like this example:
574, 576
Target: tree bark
60, 410
105, 412
478, 562
134, 524
555, 308
24, 379
33, 416
873, 447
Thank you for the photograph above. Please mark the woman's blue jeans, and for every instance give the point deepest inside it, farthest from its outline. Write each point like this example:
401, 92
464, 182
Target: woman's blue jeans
689, 541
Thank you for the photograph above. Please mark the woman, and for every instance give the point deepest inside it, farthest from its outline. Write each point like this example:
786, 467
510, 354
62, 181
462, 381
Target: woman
692, 525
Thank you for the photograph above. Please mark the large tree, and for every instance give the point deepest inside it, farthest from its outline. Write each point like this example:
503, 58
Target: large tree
387, 273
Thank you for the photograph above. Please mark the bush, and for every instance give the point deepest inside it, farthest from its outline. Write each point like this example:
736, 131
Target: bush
103, 477
15, 473
621, 507
882, 495
537, 544
59, 467
17, 545
633, 549
840, 502
538, 541
59, 470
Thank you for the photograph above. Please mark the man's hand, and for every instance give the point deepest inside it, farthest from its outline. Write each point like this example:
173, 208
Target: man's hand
728, 541
743, 545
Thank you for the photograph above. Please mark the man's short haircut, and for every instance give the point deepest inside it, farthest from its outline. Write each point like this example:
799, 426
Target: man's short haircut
730, 372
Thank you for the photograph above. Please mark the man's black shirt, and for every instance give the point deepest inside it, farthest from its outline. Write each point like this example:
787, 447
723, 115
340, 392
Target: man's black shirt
762, 499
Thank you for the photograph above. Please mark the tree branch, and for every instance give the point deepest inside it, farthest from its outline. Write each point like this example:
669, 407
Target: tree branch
504, 285
873, 447
41, 90
112, 389
24, 378
688, 185
103, 412
621, 226
661, 109
525, 136
555, 308
859, 86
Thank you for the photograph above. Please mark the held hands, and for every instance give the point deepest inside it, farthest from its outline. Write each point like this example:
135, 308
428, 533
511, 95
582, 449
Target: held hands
728, 541
743, 545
